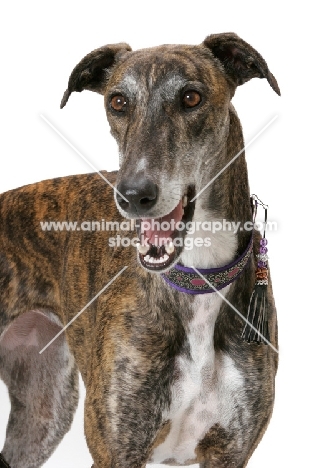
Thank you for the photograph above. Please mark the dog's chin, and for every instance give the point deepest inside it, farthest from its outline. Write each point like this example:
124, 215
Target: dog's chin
159, 250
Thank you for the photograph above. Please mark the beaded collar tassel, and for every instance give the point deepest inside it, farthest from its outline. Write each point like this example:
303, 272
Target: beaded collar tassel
256, 329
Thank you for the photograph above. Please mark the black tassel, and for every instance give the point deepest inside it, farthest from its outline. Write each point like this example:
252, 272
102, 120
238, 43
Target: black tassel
256, 329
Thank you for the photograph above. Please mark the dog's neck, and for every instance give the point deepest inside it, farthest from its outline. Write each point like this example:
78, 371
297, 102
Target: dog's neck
226, 203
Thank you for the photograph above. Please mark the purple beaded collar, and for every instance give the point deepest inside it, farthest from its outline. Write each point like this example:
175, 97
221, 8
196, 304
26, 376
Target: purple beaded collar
188, 281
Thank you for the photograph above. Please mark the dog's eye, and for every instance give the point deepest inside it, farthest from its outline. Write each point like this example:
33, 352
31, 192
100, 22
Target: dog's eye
191, 99
118, 103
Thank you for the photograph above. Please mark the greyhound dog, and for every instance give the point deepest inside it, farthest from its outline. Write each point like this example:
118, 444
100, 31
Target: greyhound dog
169, 378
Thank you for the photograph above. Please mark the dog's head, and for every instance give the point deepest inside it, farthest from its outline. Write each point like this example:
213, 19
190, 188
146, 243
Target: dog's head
168, 108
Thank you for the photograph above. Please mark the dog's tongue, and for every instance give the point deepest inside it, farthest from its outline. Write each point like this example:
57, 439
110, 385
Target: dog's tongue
157, 231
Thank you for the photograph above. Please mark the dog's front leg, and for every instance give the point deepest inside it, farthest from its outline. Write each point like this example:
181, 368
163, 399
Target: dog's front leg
119, 434
121, 424
127, 387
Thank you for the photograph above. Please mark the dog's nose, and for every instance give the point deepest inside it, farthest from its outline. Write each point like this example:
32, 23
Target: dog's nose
140, 193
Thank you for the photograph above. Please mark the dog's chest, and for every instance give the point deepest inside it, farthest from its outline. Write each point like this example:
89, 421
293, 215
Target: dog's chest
206, 390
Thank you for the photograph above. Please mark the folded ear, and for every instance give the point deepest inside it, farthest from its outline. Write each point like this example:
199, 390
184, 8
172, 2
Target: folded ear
91, 72
241, 62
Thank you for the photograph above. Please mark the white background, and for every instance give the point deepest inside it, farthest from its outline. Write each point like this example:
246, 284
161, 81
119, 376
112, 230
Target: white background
40, 44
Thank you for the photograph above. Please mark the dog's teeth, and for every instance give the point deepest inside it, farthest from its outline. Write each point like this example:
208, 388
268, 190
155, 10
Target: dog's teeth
169, 248
163, 259
184, 201
143, 249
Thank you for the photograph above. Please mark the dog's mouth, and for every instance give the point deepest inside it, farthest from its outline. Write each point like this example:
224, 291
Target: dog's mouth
161, 239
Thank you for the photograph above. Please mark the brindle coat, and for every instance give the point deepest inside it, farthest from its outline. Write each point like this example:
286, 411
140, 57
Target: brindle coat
135, 346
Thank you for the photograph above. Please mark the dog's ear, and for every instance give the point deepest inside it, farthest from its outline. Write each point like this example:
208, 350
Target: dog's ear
241, 62
91, 72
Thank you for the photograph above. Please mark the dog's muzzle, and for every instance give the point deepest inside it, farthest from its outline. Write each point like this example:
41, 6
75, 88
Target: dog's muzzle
158, 248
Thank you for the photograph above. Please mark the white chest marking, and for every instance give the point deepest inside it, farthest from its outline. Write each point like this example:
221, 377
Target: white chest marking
205, 390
